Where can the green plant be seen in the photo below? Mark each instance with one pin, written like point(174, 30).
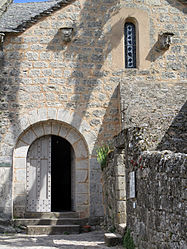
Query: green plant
point(102, 153)
point(128, 242)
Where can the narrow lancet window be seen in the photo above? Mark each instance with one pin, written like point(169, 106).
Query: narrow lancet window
point(130, 45)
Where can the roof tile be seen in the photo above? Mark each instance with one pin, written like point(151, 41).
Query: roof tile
point(21, 15)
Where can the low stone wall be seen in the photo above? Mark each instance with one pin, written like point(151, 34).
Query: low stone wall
point(156, 216)
point(130, 141)
point(153, 206)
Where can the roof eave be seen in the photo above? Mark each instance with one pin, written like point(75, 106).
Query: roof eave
point(28, 23)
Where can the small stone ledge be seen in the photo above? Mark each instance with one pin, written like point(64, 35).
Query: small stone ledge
point(6, 226)
point(112, 239)
point(121, 228)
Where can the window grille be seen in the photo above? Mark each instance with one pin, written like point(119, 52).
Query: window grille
point(130, 45)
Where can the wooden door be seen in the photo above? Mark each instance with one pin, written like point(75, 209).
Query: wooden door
point(39, 176)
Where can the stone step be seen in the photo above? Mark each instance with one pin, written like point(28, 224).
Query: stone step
point(4, 222)
point(113, 239)
point(53, 230)
point(52, 215)
point(60, 221)
point(6, 226)
point(7, 229)
point(122, 228)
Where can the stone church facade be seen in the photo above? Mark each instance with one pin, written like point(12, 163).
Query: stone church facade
point(79, 92)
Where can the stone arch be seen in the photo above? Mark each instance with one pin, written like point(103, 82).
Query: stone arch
point(81, 165)
point(60, 115)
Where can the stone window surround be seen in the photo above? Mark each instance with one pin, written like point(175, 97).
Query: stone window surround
point(48, 125)
point(142, 22)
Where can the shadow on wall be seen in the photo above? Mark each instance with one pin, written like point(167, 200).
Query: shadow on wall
point(87, 53)
point(155, 53)
point(96, 194)
point(175, 139)
point(9, 113)
point(9, 88)
point(179, 4)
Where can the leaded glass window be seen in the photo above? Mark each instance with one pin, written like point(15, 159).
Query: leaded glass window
point(130, 45)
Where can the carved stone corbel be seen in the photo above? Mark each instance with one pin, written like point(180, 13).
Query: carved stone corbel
point(165, 40)
point(66, 34)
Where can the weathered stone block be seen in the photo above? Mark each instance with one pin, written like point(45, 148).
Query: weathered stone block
point(112, 239)
point(52, 113)
point(120, 183)
point(81, 188)
point(55, 128)
point(42, 114)
point(32, 56)
point(21, 149)
point(120, 170)
point(82, 164)
point(65, 116)
point(81, 150)
point(81, 176)
point(28, 137)
point(20, 163)
point(47, 128)
point(39, 130)
point(73, 136)
point(19, 189)
point(19, 175)
point(64, 131)
point(82, 199)
point(121, 206)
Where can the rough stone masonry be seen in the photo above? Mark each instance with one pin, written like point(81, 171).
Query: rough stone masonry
point(84, 85)
point(154, 206)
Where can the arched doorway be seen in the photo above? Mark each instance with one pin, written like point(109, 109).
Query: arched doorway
point(41, 197)
point(50, 169)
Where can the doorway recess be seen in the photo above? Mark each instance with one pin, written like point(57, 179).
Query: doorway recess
point(60, 174)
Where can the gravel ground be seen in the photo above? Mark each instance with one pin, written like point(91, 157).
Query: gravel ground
point(90, 240)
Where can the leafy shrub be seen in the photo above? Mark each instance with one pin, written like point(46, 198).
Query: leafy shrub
point(102, 153)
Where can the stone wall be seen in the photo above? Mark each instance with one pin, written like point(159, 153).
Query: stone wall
point(155, 215)
point(40, 72)
point(129, 143)
point(155, 95)
point(161, 108)
point(114, 190)
point(5, 191)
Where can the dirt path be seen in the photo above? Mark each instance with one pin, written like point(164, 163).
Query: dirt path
point(79, 241)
